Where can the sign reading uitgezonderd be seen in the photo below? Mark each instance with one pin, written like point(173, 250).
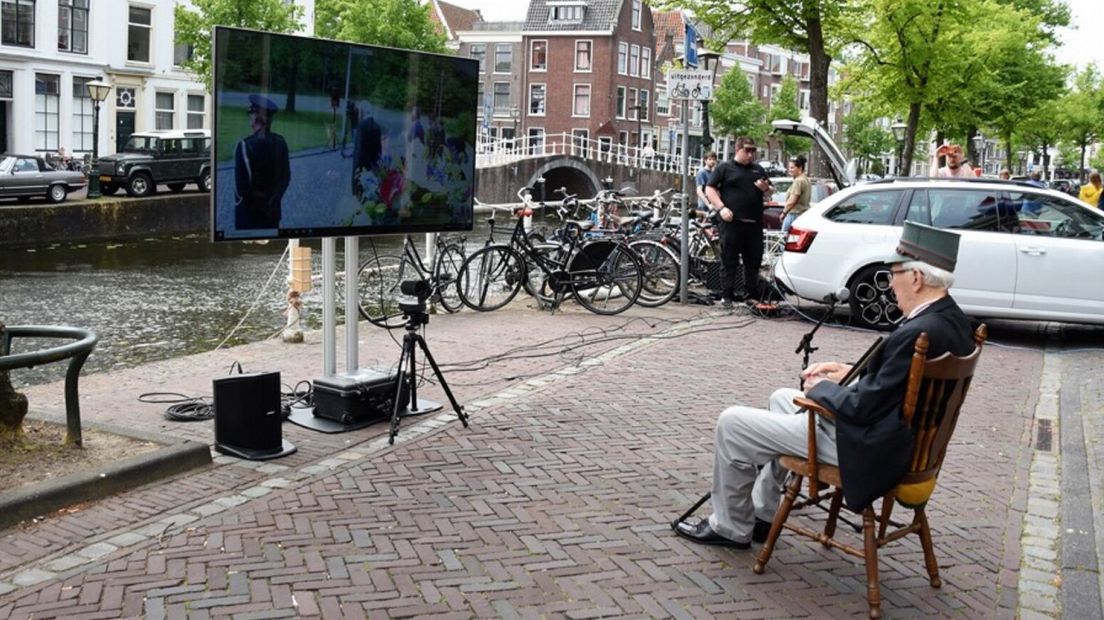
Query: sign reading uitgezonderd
point(695, 84)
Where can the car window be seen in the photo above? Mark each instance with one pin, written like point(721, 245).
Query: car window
point(1047, 216)
point(966, 210)
point(918, 209)
point(7, 166)
point(875, 207)
point(26, 165)
point(170, 147)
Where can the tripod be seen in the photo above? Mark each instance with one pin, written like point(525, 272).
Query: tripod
point(408, 377)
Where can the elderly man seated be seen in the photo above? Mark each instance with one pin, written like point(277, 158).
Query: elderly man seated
point(869, 439)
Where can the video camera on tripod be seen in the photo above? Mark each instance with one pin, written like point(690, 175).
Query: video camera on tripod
point(413, 302)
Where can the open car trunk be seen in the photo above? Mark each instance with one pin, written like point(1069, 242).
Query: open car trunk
point(843, 171)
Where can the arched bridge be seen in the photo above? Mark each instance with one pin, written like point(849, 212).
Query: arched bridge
point(503, 167)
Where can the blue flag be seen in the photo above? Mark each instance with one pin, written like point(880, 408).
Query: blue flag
point(691, 52)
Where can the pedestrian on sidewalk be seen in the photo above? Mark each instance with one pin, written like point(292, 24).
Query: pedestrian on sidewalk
point(737, 189)
point(869, 439)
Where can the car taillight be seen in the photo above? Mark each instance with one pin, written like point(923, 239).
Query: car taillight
point(799, 240)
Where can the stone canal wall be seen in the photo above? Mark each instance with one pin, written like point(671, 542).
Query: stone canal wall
point(104, 219)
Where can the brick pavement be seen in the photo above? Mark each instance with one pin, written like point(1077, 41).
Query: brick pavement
point(556, 502)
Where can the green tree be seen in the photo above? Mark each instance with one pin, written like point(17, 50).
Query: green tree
point(1039, 132)
point(819, 28)
point(1079, 116)
point(784, 106)
point(393, 23)
point(864, 139)
point(735, 109)
point(193, 27)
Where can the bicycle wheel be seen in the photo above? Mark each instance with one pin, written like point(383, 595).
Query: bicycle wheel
point(605, 277)
point(378, 287)
point(536, 280)
point(661, 272)
point(448, 274)
point(490, 278)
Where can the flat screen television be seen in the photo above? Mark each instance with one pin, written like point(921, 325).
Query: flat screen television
point(317, 138)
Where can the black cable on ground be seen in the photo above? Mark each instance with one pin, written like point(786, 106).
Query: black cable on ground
point(182, 408)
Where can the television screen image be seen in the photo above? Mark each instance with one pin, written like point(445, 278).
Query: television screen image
point(317, 138)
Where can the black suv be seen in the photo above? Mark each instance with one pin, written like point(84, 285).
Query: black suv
point(174, 158)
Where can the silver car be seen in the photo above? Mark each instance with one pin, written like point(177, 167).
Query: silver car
point(26, 176)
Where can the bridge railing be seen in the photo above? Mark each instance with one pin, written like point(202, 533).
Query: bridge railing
point(511, 150)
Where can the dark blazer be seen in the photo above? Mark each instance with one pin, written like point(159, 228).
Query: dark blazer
point(873, 442)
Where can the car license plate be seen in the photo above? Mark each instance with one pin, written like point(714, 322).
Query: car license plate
point(104, 179)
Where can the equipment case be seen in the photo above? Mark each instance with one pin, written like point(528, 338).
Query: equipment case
point(367, 395)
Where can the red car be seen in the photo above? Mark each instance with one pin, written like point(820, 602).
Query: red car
point(772, 212)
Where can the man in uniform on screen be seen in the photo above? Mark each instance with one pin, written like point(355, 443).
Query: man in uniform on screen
point(261, 170)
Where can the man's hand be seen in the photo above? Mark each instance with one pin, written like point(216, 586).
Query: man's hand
point(726, 214)
point(763, 184)
point(824, 371)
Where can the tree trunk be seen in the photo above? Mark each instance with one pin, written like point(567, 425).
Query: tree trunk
point(1081, 163)
point(819, 61)
point(13, 406)
point(910, 139)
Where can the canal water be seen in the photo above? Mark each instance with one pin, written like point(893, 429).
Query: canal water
point(160, 298)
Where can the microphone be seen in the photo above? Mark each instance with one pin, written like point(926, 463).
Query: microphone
point(838, 297)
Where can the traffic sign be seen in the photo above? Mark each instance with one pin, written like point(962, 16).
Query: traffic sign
point(693, 84)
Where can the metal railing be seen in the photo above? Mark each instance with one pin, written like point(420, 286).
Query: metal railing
point(77, 352)
point(490, 153)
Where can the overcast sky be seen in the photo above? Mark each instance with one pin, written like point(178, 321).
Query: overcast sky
point(1080, 46)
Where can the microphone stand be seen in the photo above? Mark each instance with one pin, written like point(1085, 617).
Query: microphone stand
point(806, 344)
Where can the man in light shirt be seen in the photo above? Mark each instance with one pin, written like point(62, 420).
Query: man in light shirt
point(956, 168)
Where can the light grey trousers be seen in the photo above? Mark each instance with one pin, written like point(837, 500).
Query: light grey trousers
point(748, 438)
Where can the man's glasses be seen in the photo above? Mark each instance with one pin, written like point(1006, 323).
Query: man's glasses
point(749, 149)
point(897, 272)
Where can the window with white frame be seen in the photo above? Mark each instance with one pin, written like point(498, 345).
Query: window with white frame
point(583, 56)
point(621, 101)
point(778, 64)
point(73, 26)
point(538, 56)
point(182, 53)
point(581, 104)
point(803, 100)
point(622, 138)
point(478, 51)
point(645, 114)
point(775, 89)
point(662, 101)
point(636, 11)
point(766, 93)
point(580, 138)
point(537, 95)
point(501, 97)
point(566, 12)
point(82, 116)
point(605, 144)
point(138, 34)
point(504, 58)
point(47, 103)
point(646, 62)
point(634, 60)
point(623, 58)
point(195, 111)
point(18, 27)
point(536, 140)
point(632, 104)
point(164, 107)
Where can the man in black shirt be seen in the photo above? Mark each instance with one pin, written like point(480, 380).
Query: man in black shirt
point(737, 188)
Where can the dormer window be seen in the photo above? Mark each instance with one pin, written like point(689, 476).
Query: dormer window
point(566, 11)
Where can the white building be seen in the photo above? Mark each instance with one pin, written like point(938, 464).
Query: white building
point(49, 50)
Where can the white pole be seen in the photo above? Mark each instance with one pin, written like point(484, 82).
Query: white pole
point(352, 310)
point(684, 239)
point(329, 312)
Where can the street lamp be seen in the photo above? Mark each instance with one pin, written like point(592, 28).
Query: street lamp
point(979, 147)
point(899, 129)
point(97, 91)
point(515, 114)
point(710, 61)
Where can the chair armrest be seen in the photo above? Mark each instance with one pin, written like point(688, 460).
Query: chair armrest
point(807, 403)
point(814, 408)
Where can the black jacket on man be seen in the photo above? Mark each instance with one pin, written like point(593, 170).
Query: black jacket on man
point(735, 182)
point(873, 443)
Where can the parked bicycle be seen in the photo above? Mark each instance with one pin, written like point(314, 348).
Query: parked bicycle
point(380, 277)
point(603, 275)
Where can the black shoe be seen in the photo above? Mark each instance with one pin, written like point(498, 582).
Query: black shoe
point(727, 304)
point(702, 533)
point(761, 530)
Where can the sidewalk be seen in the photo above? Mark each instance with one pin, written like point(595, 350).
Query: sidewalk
point(556, 502)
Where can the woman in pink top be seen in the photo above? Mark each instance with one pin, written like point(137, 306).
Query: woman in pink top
point(955, 168)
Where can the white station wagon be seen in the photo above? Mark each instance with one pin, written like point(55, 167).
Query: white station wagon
point(1024, 253)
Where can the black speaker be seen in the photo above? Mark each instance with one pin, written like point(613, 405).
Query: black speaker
point(247, 416)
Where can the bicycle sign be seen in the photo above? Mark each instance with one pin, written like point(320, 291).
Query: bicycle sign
point(695, 84)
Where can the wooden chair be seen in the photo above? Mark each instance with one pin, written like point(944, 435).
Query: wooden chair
point(932, 401)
